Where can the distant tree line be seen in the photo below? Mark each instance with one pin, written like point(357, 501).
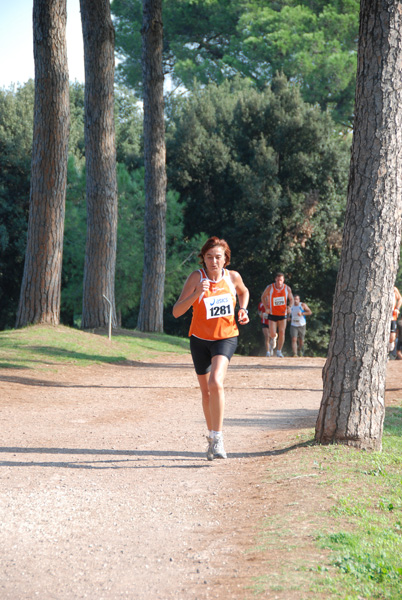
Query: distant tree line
point(313, 42)
point(257, 152)
point(261, 168)
point(267, 172)
point(16, 130)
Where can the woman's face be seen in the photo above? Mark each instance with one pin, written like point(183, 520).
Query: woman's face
point(214, 260)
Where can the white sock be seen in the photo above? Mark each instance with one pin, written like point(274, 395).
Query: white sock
point(216, 434)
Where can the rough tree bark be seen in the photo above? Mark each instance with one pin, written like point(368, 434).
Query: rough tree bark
point(352, 407)
point(150, 317)
point(41, 284)
point(100, 154)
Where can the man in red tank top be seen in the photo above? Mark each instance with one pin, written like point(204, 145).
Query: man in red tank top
point(265, 328)
point(277, 299)
point(394, 320)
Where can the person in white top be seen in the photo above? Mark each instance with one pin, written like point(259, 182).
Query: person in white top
point(297, 315)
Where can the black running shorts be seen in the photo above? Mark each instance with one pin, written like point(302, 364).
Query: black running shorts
point(276, 317)
point(202, 351)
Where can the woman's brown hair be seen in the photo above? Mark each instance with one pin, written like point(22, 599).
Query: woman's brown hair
point(211, 243)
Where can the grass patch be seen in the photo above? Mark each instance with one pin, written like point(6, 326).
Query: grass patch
point(345, 522)
point(44, 346)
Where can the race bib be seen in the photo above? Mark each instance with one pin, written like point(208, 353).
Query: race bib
point(297, 320)
point(279, 301)
point(219, 306)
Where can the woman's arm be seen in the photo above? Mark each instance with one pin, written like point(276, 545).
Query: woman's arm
point(192, 289)
point(242, 294)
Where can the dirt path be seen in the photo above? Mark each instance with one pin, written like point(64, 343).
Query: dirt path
point(105, 489)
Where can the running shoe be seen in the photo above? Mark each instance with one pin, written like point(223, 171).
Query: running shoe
point(219, 450)
point(268, 354)
point(279, 354)
point(210, 449)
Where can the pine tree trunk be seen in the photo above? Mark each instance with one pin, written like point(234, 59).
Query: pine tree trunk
point(41, 283)
point(150, 317)
point(100, 154)
point(352, 407)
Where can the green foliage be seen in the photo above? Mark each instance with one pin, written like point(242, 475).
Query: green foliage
point(128, 124)
point(181, 252)
point(267, 172)
point(312, 43)
point(76, 140)
point(197, 35)
point(74, 244)
point(16, 119)
point(129, 142)
point(129, 261)
point(16, 127)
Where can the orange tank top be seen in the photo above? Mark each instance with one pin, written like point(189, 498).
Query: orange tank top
point(214, 310)
point(395, 311)
point(277, 299)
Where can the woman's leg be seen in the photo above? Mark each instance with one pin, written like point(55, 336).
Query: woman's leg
point(217, 376)
point(203, 382)
point(213, 394)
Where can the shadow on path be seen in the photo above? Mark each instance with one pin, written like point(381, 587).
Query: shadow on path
point(132, 457)
point(57, 384)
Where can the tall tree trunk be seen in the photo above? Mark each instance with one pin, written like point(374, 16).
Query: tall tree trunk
point(352, 407)
point(150, 317)
point(41, 283)
point(100, 154)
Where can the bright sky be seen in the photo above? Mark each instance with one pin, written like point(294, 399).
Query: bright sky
point(16, 42)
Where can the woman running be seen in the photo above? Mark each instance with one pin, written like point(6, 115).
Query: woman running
point(211, 291)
